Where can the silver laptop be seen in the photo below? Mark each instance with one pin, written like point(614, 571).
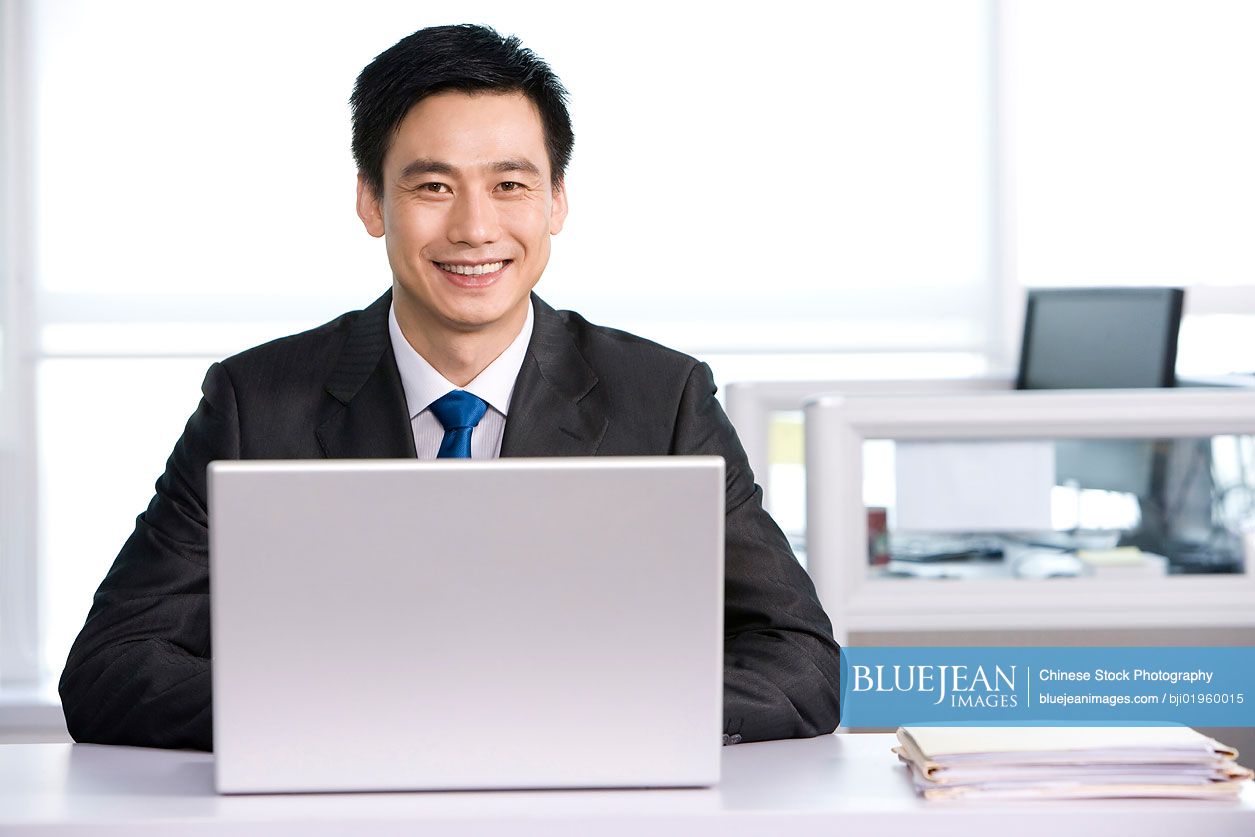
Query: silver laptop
point(513, 623)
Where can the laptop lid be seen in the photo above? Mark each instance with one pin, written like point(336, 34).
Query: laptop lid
point(510, 623)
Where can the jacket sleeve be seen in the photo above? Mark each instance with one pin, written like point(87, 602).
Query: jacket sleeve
point(781, 669)
point(139, 671)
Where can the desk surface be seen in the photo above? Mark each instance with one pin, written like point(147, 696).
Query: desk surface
point(843, 784)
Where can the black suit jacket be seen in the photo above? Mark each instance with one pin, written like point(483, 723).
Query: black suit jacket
point(139, 671)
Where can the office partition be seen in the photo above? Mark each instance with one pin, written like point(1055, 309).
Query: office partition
point(861, 596)
point(761, 409)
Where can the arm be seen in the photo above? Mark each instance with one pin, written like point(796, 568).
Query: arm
point(781, 666)
point(138, 672)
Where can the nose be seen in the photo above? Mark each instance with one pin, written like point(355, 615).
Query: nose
point(473, 220)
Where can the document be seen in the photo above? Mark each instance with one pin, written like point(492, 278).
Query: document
point(974, 486)
point(1069, 763)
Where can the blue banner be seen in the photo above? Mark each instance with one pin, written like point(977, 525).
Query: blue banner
point(891, 687)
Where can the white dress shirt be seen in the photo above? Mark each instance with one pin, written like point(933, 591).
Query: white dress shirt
point(423, 385)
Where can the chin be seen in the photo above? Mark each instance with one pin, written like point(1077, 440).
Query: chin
point(461, 309)
point(473, 315)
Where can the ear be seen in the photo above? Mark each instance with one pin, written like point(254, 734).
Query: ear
point(557, 210)
point(368, 207)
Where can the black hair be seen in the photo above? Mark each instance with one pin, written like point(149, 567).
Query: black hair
point(466, 58)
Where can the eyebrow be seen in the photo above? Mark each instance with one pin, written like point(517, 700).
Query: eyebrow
point(426, 165)
point(516, 164)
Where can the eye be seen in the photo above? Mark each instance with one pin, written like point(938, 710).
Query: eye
point(510, 186)
point(434, 188)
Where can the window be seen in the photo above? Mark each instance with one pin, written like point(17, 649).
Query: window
point(760, 192)
point(1133, 128)
point(838, 190)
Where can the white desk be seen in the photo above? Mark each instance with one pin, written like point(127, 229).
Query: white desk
point(846, 784)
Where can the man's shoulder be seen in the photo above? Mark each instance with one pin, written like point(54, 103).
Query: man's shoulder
point(605, 347)
point(314, 350)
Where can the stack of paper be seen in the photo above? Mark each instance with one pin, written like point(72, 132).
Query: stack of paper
point(1069, 762)
point(1123, 562)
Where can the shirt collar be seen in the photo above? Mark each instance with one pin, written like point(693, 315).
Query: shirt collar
point(423, 384)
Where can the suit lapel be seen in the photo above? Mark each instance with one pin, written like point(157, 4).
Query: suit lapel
point(369, 418)
point(550, 411)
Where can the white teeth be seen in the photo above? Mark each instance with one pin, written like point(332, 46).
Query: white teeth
point(472, 270)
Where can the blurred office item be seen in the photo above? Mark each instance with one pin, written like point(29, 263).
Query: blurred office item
point(1126, 338)
point(1123, 465)
point(1100, 338)
point(974, 486)
point(1122, 562)
point(877, 535)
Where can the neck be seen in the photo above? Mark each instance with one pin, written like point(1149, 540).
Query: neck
point(457, 354)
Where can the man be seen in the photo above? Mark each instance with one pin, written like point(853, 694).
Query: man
point(462, 139)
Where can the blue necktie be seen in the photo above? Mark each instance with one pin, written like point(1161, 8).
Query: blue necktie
point(458, 412)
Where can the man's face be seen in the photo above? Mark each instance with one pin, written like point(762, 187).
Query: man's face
point(466, 211)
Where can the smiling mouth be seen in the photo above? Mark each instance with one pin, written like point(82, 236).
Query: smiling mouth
point(473, 269)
